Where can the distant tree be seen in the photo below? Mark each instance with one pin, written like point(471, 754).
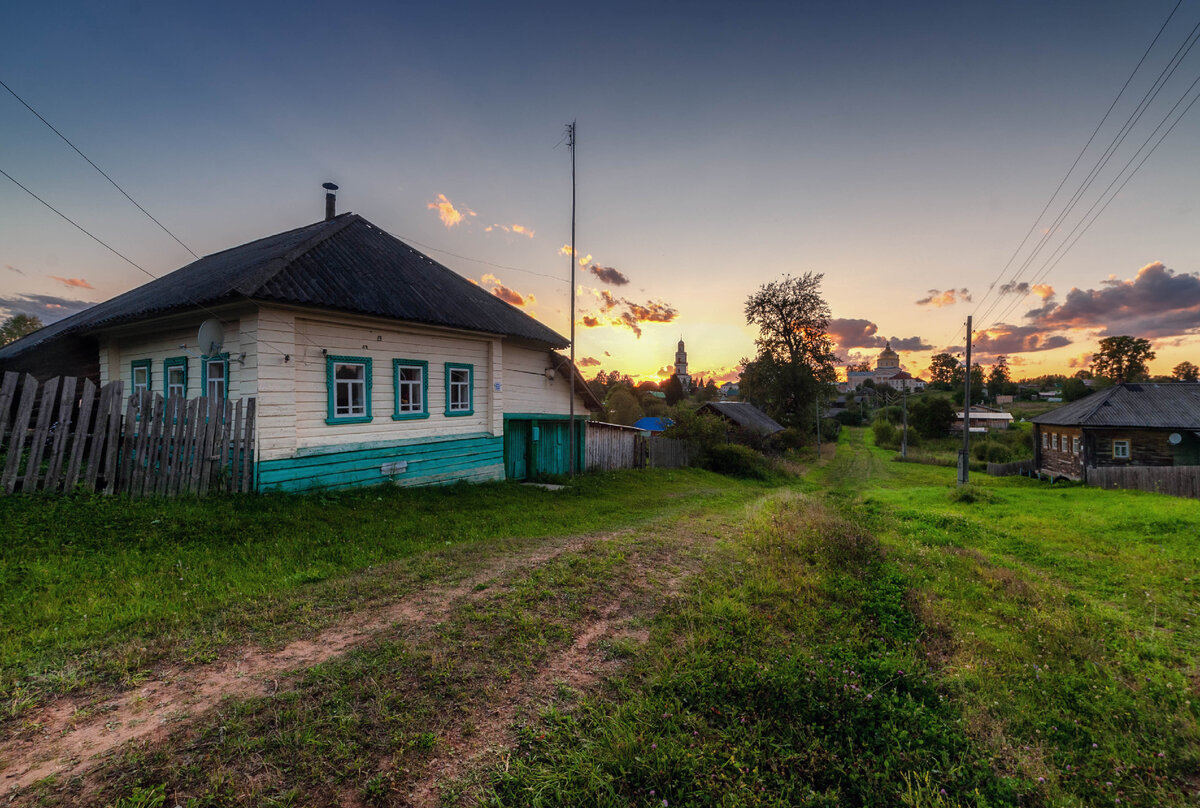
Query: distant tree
point(18, 326)
point(1185, 372)
point(1083, 374)
point(794, 366)
point(942, 370)
point(1074, 389)
point(858, 367)
point(674, 390)
point(931, 416)
point(999, 380)
point(1122, 359)
point(708, 392)
point(622, 407)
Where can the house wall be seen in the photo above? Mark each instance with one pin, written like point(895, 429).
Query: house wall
point(1147, 447)
point(305, 450)
point(1062, 461)
point(158, 341)
point(526, 388)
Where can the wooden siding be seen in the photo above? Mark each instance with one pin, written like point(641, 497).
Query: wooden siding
point(526, 388)
point(350, 336)
point(157, 342)
point(1060, 462)
point(275, 352)
point(1177, 481)
point(612, 446)
point(473, 457)
point(1147, 447)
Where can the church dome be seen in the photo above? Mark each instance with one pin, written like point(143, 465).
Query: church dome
point(887, 357)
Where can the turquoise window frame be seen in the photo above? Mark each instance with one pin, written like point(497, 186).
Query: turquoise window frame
point(204, 360)
point(397, 415)
point(148, 366)
point(331, 389)
point(470, 410)
point(175, 362)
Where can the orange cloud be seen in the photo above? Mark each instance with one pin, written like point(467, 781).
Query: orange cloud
point(78, 283)
point(510, 296)
point(589, 321)
point(949, 297)
point(520, 230)
point(446, 211)
point(588, 362)
point(1043, 290)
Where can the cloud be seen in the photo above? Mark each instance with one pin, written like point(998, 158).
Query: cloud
point(1156, 303)
point(1081, 361)
point(446, 211)
point(910, 344)
point(589, 362)
point(506, 294)
point(1043, 290)
point(590, 321)
point(78, 283)
point(520, 230)
point(12, 268)
point(949, 297)
point(564, 249)
point(47, 308)
point(610, 275)
point(1009, 339)
point(607, 301)
point(722, 375)
point(848, 332)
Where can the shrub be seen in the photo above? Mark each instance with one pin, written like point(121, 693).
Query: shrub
point(886, 435)
point(737, 461)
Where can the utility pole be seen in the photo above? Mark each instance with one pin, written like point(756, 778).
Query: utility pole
point(818, 405)
point(964, 455)
point(571, 146)
point(904, 436)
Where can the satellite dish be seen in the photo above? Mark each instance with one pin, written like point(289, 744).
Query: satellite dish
point(1174, 438)
point(210, 337)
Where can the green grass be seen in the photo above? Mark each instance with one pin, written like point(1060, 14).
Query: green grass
point(1061, 618)
point(95, 590)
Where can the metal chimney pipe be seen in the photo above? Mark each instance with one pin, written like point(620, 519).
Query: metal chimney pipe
point(330, 200)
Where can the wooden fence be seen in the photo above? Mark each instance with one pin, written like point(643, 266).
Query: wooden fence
point(612, 446)
point(667, 453)
point(1025, 467)
point(1178, 481)
point(65, 433)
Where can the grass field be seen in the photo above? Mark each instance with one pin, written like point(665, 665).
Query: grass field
point(870, 634)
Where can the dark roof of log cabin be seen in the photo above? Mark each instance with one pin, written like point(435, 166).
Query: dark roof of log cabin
point(744, 414)
point(1171, 405)
point(345, 264)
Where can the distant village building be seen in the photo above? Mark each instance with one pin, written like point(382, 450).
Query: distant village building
point(887, 371)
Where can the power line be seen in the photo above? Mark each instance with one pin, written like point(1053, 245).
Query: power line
point(98, 168)
point(1078, 157)
point(477, 260)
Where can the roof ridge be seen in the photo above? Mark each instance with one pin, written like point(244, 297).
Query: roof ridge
point(1105, 395)
point(276, 265)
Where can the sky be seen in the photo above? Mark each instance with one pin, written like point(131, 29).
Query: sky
point(902, 150)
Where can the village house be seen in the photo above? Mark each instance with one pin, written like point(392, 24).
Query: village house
point(370, 362)
point(887, 372)
point(983, 419)
point(742, 414)
point(1124, 425)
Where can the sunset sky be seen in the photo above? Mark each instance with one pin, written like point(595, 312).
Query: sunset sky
point(902, 149)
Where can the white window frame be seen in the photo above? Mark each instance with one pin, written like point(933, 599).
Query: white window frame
point(140, 367)
point(1122, 449)
point(1075, 445)
point(412, 395)
point(221, 383)
point(172, 367)
point(348, 413)
point(459, 395)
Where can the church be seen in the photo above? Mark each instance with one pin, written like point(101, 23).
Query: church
point(887, 371)
point(681, 371)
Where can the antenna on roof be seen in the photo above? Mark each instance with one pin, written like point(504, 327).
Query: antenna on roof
point(330, 200)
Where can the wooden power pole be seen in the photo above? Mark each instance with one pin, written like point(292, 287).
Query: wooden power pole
point(964, 455)
point(571, 146)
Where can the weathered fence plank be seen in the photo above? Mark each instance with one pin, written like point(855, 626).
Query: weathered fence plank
point(16, 444)
point(83, 427)
point(62, 430)
point(668, 453)
point(1011, 469)
point(8, 391)
point(235, 446)
point(94, 459)
point(248, 448)
point(37, 448)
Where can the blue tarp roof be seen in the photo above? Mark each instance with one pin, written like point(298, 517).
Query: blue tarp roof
point(653, 424)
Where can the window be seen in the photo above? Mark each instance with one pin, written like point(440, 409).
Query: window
point(409, 381)
point(348, 381)
point(175, 376)
point(141, 375)
point(1120, 450)
point(1045, 440)
point(1054, 441)
point(214, 376)
point(1075, 445)
point(458, 389)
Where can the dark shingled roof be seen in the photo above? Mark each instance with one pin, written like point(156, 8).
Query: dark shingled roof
point(745, 415)
point(345, 263)
point(1174, 405)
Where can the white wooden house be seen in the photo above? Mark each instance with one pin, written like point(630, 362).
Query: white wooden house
point(370, 361)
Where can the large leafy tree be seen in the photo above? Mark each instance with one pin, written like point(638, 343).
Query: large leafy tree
point(1185, 372)
point(18, 326)
point(1122, 359)
point(943, 368)
point(999, 381)
point(795, 361)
